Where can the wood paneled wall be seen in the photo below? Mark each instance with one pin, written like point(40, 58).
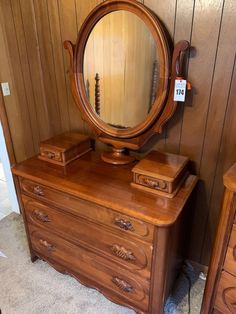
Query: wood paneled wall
point(34, 62)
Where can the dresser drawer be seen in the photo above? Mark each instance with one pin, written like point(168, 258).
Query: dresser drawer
point(226, 294)
point(103, 275)
point(89, 210)
point(230, 260)
point(131, 254)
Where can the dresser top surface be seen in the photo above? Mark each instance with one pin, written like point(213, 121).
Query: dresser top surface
point(91, 179)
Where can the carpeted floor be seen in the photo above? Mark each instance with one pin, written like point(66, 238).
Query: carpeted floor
point(27, 288)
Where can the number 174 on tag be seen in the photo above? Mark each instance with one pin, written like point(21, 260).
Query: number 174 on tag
point(180, 90)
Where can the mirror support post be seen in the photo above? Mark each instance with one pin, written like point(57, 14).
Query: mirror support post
point(176, 70)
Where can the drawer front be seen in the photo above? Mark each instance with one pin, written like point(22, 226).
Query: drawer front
point(89, 210)
point(124, 251)
point(50, 154)
point(153, 183)
point(230, 260)
point(120, 283)
point(226, 294)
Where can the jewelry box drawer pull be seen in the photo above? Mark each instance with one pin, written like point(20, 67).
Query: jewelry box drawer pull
point(151, 183)
point(122, 284)
point(124, 224)
point(47, 245)
point(38, 190)
point(122, 252)
point(155, 184)
point(49, 155)
point(41, 216)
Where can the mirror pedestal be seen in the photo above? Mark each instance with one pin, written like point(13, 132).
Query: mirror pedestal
point(117, 157)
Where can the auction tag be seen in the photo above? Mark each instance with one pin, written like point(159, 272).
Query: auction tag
point(180, 90)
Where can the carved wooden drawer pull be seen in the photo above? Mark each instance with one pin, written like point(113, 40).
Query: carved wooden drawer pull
point(151, 183)
point(122, 285)
point(41, 216)
point(38, 190)
point(155, 184)
point(229, 298)
point(122, 252)
point(124, 224)
point(47, 245)
point(49, 155)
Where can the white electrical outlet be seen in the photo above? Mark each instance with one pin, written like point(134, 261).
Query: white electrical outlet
point(5, 89)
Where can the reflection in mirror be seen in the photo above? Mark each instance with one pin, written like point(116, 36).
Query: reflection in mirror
point(121, 69)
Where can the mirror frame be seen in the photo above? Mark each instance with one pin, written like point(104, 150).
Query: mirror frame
point(163, 107)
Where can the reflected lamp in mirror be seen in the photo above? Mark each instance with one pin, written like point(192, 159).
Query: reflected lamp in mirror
point(122, 73)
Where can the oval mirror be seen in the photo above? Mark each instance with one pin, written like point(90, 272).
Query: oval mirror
point(121, 69)
point(123, 74)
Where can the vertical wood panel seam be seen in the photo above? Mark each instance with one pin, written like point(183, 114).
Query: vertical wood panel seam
point(63, 58)
point(218, 155)
point(76, 17)
point(40, 67)
point(211, 88)
point(204, 134)
point(54, 66)
point(30, 72)
point(21, 70)
point(188, 60)
point(176, 4)
point(165, 133)
point(36, 113)
point(173, 37)
point(77, 27)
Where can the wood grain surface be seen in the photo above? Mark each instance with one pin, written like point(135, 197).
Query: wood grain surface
point(90, 172)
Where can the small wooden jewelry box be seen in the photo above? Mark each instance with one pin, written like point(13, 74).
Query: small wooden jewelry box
point(160, 173)
point(64, 148)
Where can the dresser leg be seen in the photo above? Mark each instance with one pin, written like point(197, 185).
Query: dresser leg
point(33, 258)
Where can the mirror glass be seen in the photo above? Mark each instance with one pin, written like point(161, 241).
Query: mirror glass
point(121, 69)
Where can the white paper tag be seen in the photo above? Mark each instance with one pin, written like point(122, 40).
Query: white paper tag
point(180, 90)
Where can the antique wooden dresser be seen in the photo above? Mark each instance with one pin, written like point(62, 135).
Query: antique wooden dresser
point(86, 220)
point(220, 292)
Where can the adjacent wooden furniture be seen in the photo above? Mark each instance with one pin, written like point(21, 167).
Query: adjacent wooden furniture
point(220, 292)
point(86, 220)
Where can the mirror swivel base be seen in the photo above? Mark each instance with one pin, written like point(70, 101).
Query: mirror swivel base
point(117, 157)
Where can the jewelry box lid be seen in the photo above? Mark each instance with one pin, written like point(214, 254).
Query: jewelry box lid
point(65, 141)
point(160, 165)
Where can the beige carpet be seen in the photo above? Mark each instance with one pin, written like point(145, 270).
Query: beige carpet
point(36, 288)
